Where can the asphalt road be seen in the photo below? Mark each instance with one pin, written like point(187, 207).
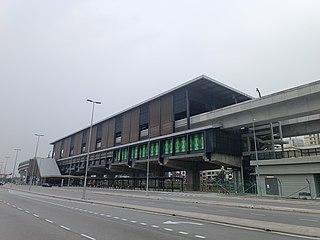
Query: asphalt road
point(30, 216)
point(299, 219)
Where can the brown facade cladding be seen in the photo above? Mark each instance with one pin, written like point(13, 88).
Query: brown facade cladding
point(105, 131)
point(134, 126)
point(125, 135)
point(57, 149)
point(66, 147)
point(112, 125)
point(166, 114)
point(87, 139)
point(93, 138)
point(77, 143)
point(154, 118)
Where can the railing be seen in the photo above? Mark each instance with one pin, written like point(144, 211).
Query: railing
point(287, 154)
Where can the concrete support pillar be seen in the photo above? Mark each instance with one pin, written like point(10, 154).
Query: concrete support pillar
point(159, 183)
point(193, 180)
point(135, 182)
point(272, 136)
point(110, 177)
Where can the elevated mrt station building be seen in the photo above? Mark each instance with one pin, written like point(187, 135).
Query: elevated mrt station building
point(203, 125)
point(160, 130)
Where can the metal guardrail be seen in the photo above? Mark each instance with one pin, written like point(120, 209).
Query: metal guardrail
point(287, 154)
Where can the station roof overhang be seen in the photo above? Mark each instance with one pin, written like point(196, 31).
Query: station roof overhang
point(202, 84)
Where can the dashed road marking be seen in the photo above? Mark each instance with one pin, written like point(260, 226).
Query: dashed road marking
point(124, 219)
point(308, 220)
point(64, 227)
point(86, 236)
point(257, 214)
point(199, 236)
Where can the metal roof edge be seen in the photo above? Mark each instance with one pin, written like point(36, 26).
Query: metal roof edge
point(158, 96)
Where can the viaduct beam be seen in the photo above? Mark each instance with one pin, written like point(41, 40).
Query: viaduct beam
point(292, 103)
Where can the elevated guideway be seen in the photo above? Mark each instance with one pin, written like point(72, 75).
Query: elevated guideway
point(292, 106)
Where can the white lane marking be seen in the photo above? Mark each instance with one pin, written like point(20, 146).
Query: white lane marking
point(221, 210)
point(133, 221)
point(85, 210)
point(27, 211)
point(184, 233)
point(80, 209)
point(124, 219)
point(144, 224)
point(257, 214)
point(36, 215)
point(20, 208)
point(86, 236)
point(96, 213)
point(174, 223)
point(101, 214)
point(49, 221)
point(308, 220)
point(116, 217)
point(8, 204)
point(90, 212)
point(154, 226)
point(199, 236)
point(14, 206)
point(64, 227)
point(168, 229)
point(108, 216)
point(192, 207)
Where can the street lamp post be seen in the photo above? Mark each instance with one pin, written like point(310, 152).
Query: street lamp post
point(148, 168)
point(5, 168)
point(35, 160)
point(88, 151)
point(14, 166)
point(69, 176)
point(257, 159)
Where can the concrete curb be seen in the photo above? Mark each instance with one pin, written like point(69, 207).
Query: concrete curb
point(255, 224)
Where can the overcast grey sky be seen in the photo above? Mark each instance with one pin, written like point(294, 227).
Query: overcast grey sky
point(56, 54)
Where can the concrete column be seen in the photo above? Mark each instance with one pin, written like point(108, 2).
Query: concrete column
point(272, 136)
point(110, 182)
point(193, 180)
